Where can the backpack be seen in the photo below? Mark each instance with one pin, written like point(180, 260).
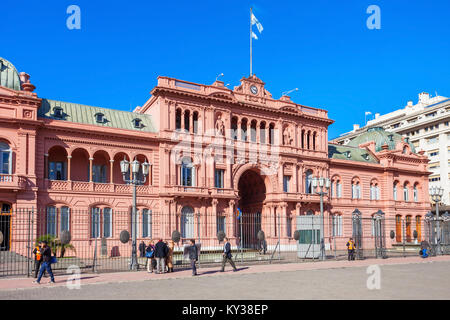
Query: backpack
point(149, 254)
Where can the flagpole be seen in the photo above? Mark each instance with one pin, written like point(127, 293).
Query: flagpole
point(251, 41)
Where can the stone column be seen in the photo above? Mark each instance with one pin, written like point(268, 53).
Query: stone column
point(90, 168)
point(191, 122)
point(69, 170)
point(111, 171)
point(46, 166)
point(294, 177)
point(182, 120)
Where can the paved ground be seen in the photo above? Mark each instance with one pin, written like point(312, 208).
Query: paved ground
point(401, 278)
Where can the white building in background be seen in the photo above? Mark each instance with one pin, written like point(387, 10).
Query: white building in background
point(427, 126)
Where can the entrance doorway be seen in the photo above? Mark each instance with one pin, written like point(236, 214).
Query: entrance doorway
point(252, 193)
point(5, 226)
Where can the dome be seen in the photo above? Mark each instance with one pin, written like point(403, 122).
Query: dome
point(9, 77)
point(380, 137)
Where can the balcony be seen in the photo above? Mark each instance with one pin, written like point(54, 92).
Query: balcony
point(12, 182)
point(82, 186)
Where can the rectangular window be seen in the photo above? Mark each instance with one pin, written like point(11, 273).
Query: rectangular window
point(219, 174)
point(95, 223)
point(338, 190)
point(56, 171)
point(65, 219)
point(99, 173)
point(5, 162)
point(337, 225)
point(51, 221)
point(286, 181)
point(289, 227)
point(187, 175)
point(433, 140)
point(146, 223)
point(309, 237)
point(221, 223)
point(107, 222)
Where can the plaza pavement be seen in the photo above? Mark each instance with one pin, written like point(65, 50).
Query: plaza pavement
point(11, 285)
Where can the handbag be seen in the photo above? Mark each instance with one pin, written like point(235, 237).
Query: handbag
point(53, 260)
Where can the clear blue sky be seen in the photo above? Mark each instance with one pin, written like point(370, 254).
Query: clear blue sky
point(322, 47)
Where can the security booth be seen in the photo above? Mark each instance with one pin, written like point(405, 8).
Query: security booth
point(308, 245)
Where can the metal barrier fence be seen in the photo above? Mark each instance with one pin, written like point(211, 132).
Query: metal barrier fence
point(95, 243)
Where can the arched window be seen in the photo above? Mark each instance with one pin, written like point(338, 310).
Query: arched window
point(195, 120)
point(338, 189)
point(303, 139)
point(244, 130)
point(5, 158)
point(187, 172)
point(374, 191)
point(262, 132)
point(146, 219)
point(187, 120)
point(308, 138)
point(308, 181)
point(178, 120)
point(271, 133)
point(405, 192)
point(356, 189)
point(253, 131)
point(415, 193)
point(187, 222)
point(234, 128)
point(395, 190)
point(314, 135)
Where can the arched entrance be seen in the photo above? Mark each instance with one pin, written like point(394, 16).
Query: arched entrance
point(252, 193)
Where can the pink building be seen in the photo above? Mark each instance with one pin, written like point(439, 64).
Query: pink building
point(212, 149)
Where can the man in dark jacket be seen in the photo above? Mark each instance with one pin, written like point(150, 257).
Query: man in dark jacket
point(142, 249)
point(227, 256)
point(46, 265)
point(193, 256)
point(161, 251)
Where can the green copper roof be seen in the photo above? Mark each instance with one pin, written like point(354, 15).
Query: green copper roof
point(9, 77)
point(381, 137)
point(79, 113)
point(349, 153)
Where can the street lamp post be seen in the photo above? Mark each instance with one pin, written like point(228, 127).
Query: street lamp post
point(323, 183)
point(134, 180)
point(436, 194)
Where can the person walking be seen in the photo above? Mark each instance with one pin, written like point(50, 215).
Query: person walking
point(169, 259)
point(37, 259)
point(161, 251)
point(351, 249)
point(193, 256)
point(46, 263)
point(227, 256)
point(150, 254)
